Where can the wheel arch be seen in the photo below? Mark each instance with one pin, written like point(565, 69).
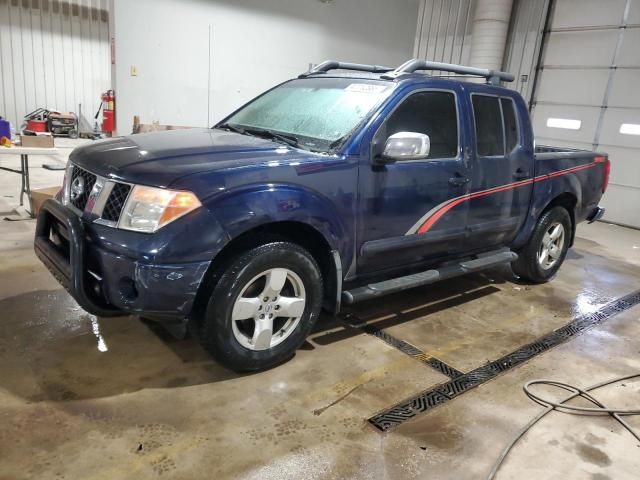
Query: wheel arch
point(301, 234)
point(568, 201)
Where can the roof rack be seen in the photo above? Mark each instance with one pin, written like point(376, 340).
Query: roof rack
point(333, 65)
point(493, 76)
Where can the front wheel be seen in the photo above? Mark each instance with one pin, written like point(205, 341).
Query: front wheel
point(541, 258)
point(262, 307)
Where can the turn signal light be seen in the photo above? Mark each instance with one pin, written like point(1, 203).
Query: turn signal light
point(180, 204)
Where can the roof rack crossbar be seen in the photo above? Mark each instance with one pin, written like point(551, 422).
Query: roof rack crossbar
point(492, 76)
point(334, 65)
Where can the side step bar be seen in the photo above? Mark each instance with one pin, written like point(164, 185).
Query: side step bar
point(386, 287)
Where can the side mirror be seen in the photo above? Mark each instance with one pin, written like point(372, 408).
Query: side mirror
point(406, 146)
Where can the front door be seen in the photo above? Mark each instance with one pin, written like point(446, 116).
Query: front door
point(408, 211)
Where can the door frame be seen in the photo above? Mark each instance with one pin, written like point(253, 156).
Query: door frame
point(411, 239)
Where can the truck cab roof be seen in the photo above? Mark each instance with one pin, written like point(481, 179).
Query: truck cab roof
point(405, 79)
point(407, 71)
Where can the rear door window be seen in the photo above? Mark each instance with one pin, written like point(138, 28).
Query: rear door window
point(489, 131)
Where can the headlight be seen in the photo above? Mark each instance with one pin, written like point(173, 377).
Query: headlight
point(148, 209)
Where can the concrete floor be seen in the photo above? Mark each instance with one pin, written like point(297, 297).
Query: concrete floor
point(84, 397)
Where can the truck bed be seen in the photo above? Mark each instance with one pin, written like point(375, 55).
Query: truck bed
point(544, 152)
point(578, 176)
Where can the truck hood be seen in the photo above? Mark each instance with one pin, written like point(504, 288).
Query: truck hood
point(160, 158)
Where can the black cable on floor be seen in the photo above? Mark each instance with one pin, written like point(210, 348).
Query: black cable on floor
point(561, 406)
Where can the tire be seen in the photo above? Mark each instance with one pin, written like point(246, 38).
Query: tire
point(552, 233)
point(271, 279)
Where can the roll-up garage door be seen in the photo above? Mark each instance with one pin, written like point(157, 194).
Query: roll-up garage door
point(588, 93)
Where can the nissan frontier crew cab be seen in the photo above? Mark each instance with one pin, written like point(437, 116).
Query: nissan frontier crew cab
point(345, 184)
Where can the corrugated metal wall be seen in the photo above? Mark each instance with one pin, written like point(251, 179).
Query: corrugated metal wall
point(444, 31)
point(53, 54)
point(524, 43)
point(445, 34)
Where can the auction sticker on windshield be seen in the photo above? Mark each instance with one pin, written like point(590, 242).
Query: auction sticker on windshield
point(365, 88)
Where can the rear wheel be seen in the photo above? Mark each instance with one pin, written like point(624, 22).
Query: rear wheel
point(541, 258)
point(262, 307)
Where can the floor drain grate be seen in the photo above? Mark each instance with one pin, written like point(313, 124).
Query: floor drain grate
point(439, 394)
point(404, 347)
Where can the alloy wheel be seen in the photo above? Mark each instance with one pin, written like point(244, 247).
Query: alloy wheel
point(268, 309)
point(551, 246)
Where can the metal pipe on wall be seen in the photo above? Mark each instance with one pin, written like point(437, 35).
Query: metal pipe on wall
point(490, 29)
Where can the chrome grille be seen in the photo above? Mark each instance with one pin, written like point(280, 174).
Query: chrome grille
point(84, 181)
point(115, 203)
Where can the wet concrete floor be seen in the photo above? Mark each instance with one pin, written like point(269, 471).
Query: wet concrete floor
point(91, 398)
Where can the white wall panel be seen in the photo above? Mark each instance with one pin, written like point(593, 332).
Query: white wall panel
point(53, 54)
point(587, 115)
point(625, 91)
point(560, 86)
point(187, 78)
point(610, 135)
point(621, 204)
point(629, 54)
point(592, 58)
point(634, 14)
point(582, 48)
point(580, 13)
point(625, 165)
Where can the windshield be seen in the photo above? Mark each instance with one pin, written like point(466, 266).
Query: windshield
point(317, 113)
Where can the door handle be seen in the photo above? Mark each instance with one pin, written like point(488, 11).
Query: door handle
point(520, 174)
point(458, 180)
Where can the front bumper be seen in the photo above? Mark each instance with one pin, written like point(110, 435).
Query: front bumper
point(106, 283)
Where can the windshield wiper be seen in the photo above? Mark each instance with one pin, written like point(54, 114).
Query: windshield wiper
point(337, 143)
point(259, 132)
point(288, 139)
point(231, 128)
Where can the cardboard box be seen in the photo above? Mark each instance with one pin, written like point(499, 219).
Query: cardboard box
point(39, 196)
point(36, 141)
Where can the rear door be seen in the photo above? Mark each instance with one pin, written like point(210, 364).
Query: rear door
point(501, 172)
point(401, 220)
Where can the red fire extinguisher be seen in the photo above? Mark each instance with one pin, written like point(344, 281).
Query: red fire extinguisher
point(108, 111)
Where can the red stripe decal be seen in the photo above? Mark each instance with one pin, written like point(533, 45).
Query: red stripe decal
point(426, 226)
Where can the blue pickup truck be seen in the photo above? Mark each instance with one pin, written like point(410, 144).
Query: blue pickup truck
point(342, 185)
